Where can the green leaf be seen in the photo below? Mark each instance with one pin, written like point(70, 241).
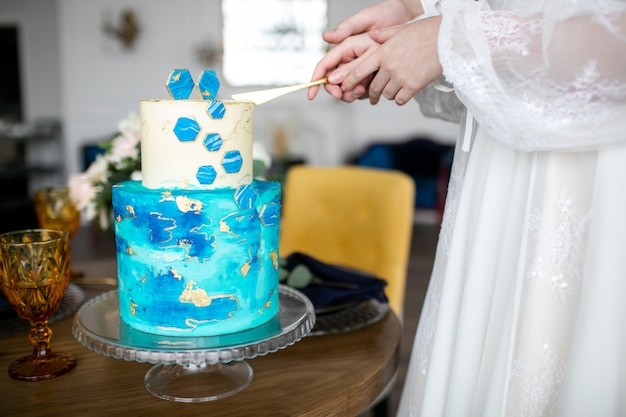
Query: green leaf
point(300, 277)
point(282, 275)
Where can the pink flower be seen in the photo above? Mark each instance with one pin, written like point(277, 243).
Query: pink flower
point(125, 146)
point(82, 193)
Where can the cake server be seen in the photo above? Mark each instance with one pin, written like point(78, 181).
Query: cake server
point(262, 96)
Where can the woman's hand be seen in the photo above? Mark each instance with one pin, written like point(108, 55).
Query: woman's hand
point(384, 14)
point(378, 16)
point(339, 61)
point(404, 63)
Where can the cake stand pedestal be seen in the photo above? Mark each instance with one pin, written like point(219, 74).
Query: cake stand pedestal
point(192, 369)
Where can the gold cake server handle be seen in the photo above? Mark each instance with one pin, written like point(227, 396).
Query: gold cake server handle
point(262, 96)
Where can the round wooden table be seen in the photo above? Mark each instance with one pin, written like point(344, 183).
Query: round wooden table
point(330, 375)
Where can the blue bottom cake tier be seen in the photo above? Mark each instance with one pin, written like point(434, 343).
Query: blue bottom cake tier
point(197, 262)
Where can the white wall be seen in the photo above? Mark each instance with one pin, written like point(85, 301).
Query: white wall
point(91, 82)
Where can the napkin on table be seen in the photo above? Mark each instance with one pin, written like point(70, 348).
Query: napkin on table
point(334, 284)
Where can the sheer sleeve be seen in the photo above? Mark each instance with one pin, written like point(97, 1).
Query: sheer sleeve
point(550, 78)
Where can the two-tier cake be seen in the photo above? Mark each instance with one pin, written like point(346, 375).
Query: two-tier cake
point(197, 238)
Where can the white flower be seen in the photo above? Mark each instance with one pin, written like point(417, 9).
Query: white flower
point(130, 124)
point(98, 170)
point(261, 154)
point(103, 219)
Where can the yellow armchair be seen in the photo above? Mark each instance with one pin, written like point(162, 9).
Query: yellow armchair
point(352, 216)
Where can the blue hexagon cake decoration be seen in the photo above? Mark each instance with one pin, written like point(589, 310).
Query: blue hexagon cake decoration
point(269, 214)
point(216, 109)
point(245, 196)
point(186, 129)
point(206, 174)
point(213, 142)
point(208, 84)
point(180, 84)
point(232, 161)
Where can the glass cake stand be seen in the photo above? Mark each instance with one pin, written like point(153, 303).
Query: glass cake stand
point(192, 369)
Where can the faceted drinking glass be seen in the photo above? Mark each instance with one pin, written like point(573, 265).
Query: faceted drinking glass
point(55, 210)
point(34, 274)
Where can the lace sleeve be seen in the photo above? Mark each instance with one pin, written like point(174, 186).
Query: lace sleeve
point(539, 79)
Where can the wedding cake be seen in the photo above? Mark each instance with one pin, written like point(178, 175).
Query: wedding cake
point(197, 237)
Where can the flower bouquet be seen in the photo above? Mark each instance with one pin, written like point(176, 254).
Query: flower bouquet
point(121, 160)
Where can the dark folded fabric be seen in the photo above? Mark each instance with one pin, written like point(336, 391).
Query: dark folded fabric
point(336, 285)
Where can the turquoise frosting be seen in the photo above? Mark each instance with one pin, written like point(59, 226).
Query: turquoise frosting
point(193, 262)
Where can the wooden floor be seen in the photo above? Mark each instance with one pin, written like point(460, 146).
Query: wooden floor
point(420, 265)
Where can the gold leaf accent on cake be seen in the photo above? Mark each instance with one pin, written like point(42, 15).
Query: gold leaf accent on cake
point(131, 214)
point(129, 250)
point(195, 296)
point(224, 227)
point(186, 204)
point(167, 196)
point(245, 269)
point(176, 274)
point(267, 304)
point(133, 308)
point(274, 258)
point(198, 296)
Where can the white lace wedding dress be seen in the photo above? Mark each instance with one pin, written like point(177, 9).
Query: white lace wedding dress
point(525, 313)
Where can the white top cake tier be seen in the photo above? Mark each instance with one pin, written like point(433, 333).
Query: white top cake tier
point(196, 143)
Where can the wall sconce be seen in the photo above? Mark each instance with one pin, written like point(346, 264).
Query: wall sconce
point(209, 54)
point(126, 30)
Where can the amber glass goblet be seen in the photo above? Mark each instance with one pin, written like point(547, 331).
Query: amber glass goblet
point(34, 274)
point(55, 210)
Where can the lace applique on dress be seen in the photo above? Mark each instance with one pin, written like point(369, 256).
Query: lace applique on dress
point(584, 100)
point(507, 32)
point(559, 241)
point(539, 382)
